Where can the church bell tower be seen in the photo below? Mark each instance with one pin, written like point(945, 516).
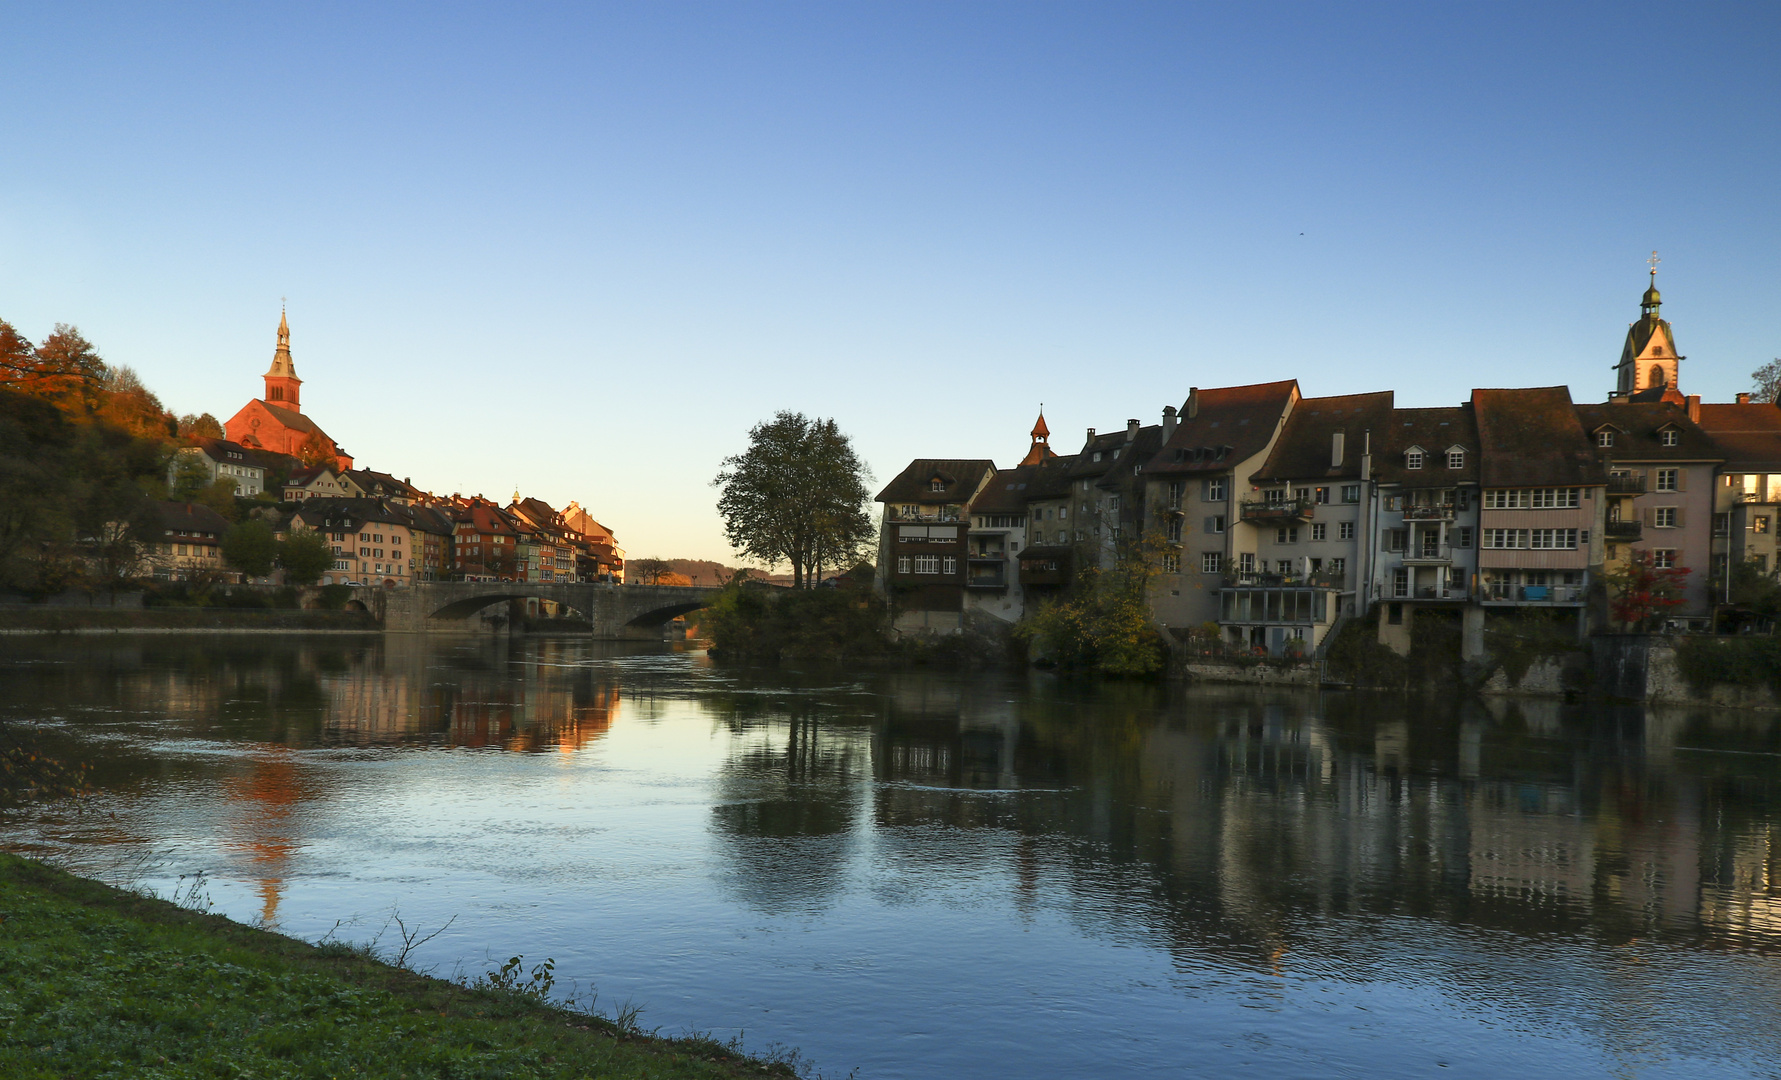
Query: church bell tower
point(1648, 362)
point(283, 388)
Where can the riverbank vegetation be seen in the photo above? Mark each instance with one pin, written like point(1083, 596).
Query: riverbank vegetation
point(99, 982)
point(797, 495)
point(756, 622)
point(1752, 661)
point(1102, 624)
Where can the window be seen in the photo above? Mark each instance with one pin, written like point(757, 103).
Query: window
point(1171, 563)
point(1456, 459)
point(1215, 523)
point(1319, 531)
point(951, 565)
point(1286, 536)
point(1283, 566)
point(1396, 539)
point(927, 564)
point(1213, 491)
point(1759, 523)
point(1302, 494)
point(1666, 480)
point(1551, 539)
point(1667, 438)
point(1462, 537)
point(1209, 562)
point(1063, 511)
point(1174, 530)
point(1664, 517)
point(939, 485)
point(1505, 538)
point(1663, 558)
point(1246, 562)
point(1351, 493)
point(1320, 495)
point(1722, 524)
point(1273, 495)
point(1762, 563)
point(1338, 567)
point(1536, 498)
point(1604, 438)
point(1400, 586)
point(1392, 502)
point(1345, 530)
point(1413, 459)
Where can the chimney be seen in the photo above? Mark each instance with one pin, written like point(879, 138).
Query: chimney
point(1336, 448)
point(1193, 402)
point(1694, 407)
point(1366, 454)
point(1743, 399)
point(1168, 421)
point(1091, 434)
point(1131, 430)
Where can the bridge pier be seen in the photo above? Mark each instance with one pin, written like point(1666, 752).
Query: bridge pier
point(614, 612)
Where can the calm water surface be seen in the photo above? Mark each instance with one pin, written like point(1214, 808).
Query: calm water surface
point(945, 875)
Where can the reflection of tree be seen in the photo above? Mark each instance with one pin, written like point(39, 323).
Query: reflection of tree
point(786, 807)
point(266, 796)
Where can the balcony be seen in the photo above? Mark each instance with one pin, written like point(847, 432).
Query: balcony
point(1631, 484)
point(1441, 512)
point(1532, 594)
point(987, 556)
point(1256, 580)
point(947, 514)
point(1431, 592)
point(997, 580)
point(1428, 555)
point(1278, 511)
point(1623, 530)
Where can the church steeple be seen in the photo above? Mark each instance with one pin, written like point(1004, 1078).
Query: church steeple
point(282, 385)
point(1649, 365)
point(1041, 448)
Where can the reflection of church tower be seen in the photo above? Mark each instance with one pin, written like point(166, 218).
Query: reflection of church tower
point(1041, 448)
point(282, 384)
point(1649, 366)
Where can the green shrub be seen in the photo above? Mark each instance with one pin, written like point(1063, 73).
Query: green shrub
point(1736, 661)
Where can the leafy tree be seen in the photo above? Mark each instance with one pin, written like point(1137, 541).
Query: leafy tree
point(1767, 380)
point(797, 495)
point(202, 426)
point(123, 402)
point(1641, 593)
point(68, 370)
point(305, 555)
point(250, 547)
point(317, 450)
point(1103, 624)
point(650, 571)
point(190, 476)
point(1755, 589)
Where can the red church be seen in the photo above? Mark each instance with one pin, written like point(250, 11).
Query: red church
point(276, 422)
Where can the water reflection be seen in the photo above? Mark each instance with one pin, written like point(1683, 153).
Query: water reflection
point(1580, 866)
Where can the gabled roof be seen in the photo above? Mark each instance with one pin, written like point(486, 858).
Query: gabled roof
point(1303, 451)
point(1435, 431)
point(191, 518)
point(1747, 436)
point(1532, 437)
point(224, 452)
point(377, 483)
point(1006, 492)
point(1636, 426)
point(960, 479)
point(1226, 425)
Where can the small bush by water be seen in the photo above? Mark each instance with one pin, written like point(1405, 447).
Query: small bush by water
point(1733, 661)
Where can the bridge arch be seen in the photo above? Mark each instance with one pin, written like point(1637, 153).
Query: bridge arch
point(660, 615)
point(468, 606)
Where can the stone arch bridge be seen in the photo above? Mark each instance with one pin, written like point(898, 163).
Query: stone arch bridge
point(612, 611)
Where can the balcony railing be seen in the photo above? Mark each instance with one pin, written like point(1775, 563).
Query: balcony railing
point(1428, 554)
point(987, 556)
point(1627, 485)
point(1320, 580)
point(1441, 512)
point(1534, 594)
point(1623, 530)
point(1278, 510)
point(987, 581)
point(1431, 592)
point(948, 514)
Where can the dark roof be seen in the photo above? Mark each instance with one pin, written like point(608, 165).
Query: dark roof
point(1303, 451)
point(1044, 551)
point(1227, 425)
point(1532, 437)
point(191, 518)
point(347, 514)
point(1119, 447)
point(1051, 478)
point(1747, 436)
point(381, 483)
point(1006, 492)
point(1636, 426)
point(222, 450)
point(960, 478)
point(1435, 431)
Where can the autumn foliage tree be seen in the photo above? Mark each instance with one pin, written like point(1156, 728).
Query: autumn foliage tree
point(1643, 592)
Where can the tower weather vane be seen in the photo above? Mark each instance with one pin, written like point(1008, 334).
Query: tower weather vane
point(1654, 260)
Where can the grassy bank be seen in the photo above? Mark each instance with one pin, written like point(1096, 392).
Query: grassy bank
point(99, 982)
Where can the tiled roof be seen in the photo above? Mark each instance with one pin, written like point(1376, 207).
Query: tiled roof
point(1006, 492)
point(960, 478)
point(191, 518)
point(1229, 424)
point(1636, 427)
point(1304, 449)
point(1748, 436)
point(1434, 431)
point(1532, 437)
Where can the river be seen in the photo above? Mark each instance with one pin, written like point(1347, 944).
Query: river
point(944, 874)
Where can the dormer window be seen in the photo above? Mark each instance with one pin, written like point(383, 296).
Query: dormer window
point(1456, 458)
point(1413, 458)
point(1604, 438)
point(1097, 455)
point(936, 484)
point(1667, 437)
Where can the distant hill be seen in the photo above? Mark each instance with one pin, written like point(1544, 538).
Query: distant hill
point(708, 572)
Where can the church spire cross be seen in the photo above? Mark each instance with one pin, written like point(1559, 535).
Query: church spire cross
point(1654, 260)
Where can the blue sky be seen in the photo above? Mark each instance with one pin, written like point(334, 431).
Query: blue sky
point(582, 249)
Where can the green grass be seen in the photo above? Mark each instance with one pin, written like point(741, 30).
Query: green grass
point(99, 982)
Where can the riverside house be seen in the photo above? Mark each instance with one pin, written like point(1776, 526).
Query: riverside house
point(922, 541)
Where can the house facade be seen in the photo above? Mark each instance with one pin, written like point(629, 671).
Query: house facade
point(923, 536)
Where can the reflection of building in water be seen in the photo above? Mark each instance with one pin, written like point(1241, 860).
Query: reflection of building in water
point(266, 797)
point(1743, 907)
